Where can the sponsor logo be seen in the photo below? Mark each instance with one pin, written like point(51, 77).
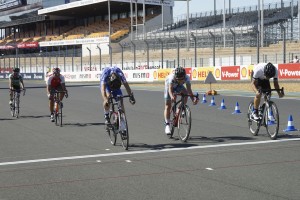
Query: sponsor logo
point(289, 73)
point(141, 75)
point(155, 74)
point(194, 74)
point(217, 73)
point(2, 76)
point(27, 76)
point(230, 75)
point(35, 76)
point(84, 76)
point(244, 72)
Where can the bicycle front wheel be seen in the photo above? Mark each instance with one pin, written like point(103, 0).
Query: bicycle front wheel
point(112, 128)
point(123, 130)
point(12, 109)
point(253, 125)
point(272, 120)
point(184, 123)
point(17, 106)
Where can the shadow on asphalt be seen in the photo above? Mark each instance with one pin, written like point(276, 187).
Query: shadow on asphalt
point(83, 124)
point(161, 146)
point(219, 139)
point(295, 134)
point(7, 119)
point(34, 117)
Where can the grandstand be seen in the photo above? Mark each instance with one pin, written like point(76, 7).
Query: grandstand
point(36, 34)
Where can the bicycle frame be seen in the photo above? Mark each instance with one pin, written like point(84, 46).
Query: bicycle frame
point(15, 107)
point(57, 107)
point(118, 121)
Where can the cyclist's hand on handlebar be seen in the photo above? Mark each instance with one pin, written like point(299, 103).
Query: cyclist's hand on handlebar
point(132, 99)
point(49, 96)
point(66, 94)
point(280, 94)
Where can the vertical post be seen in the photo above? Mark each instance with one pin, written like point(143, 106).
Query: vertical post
point(234, 46)
point(162, 14)
point(17, 51)
point(188, 25)
point(134, 56)
point(90, 53)
point(214, 47)
point(162, 52)
point(195, 48)
point(110, 54)
point(262, 24)
point(224, 25)
point(257, 46)
point(147, 45)
point(284, 42)
point(99, 57)
point(122, 55)
point(178, 47)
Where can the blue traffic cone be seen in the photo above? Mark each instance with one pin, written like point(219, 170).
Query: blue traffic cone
point(290, 125)
point(237, 109)
point(222, 107)
point(204, 99)
point(271, 119)
point(212, 102)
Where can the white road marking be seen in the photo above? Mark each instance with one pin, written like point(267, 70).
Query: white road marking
point(128, 161)
point(98, 161)
point(143, 152)
point(209, 169)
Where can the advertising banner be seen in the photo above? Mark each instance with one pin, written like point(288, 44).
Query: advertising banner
point(289, 71)
point(139, 75)
point(230, 73)
point(217, 73)
point(28, 45)
point(246, 71)
point(161, 74)
point(200, 73)
point(26, 76)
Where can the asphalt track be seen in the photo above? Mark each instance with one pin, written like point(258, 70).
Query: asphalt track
point(222, 160)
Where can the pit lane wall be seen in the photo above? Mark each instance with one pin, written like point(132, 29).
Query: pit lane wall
point(221, 73)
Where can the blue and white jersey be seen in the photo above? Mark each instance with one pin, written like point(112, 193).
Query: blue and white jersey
point(171, 80)
point(110, 70)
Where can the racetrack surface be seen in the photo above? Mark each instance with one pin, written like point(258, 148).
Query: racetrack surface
point(221, 160)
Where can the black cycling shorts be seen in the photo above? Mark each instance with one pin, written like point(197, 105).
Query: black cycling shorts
point(263, 84)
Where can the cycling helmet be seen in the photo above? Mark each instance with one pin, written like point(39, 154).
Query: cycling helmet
point(56, 70)
point(269, 70)
point(16, 69)
point(114, 82)
point(180, 72)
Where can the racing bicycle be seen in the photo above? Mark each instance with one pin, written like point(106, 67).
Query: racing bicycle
point(118, 122)
point(181, 117)
point(15, 106)
point(58, 106)
point(268, 115)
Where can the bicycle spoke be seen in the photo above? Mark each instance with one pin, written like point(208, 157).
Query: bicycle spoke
point(184, 124)
point(112, 128)
point(253, 125)
point(123, 128)
point(272, 120)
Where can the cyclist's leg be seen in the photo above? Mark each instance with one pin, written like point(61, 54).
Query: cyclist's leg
point(51, 105)
point(61, 95)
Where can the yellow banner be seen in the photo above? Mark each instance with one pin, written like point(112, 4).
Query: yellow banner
point(200, 73)
point(161, 74)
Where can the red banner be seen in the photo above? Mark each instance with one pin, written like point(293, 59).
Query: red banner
point(28, 45)
point(7, 47)
point(230, 73)
point(289, 71)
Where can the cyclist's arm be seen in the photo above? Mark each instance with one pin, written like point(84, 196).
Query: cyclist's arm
point(189, 89)
point(10, 84)
point(103, 92)
point(127, 87)
point(253, 85)
point(63, 85)
point(171, 92)
point(276, 86)
point(22, 83)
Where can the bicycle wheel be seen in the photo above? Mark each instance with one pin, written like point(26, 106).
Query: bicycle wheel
point(17, 106)
point(253, 125)
point(59, 116)
point(12, 108)
point(272, 120)
point(184, 123)
point(112, 128)
point(123, 130)
point(173, 123)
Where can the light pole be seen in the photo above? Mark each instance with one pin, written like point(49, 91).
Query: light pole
point(100, 61)
point(122, 55)
point(162, 52)
point(90, 58)
point(195, 48)
point(177, 40)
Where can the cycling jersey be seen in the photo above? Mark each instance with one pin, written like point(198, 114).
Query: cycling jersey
point(110, 70)
point(15, 80)
point(176, 86)
point(55, 81)
point(258, 72)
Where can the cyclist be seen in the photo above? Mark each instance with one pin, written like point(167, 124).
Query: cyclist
point(15, 83)
point(56, 82)
point(110, 83)
point(261, 81)
point(174, 83)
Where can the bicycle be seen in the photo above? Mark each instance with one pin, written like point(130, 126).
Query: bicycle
point(58, 114)
point(15, 106)
point(118, 122)
point(268, 115)
point(181, 118)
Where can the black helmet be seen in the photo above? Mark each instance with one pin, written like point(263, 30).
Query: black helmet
point(180, 72)
point(269, 70)
point(16, 69)
point(114, 82)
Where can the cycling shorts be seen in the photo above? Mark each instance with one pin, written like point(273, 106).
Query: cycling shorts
point(263, 84)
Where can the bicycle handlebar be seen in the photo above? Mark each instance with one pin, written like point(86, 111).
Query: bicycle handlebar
point(14, 90)
point(270, 90)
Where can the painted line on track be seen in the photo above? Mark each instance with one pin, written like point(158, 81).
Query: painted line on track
point(143, 152)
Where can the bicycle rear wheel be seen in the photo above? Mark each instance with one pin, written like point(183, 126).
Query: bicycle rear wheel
point(253, 125)
point(123, 130)
point(112, 128)
point(17, 106)
point(272, 120)
point(184, 123)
